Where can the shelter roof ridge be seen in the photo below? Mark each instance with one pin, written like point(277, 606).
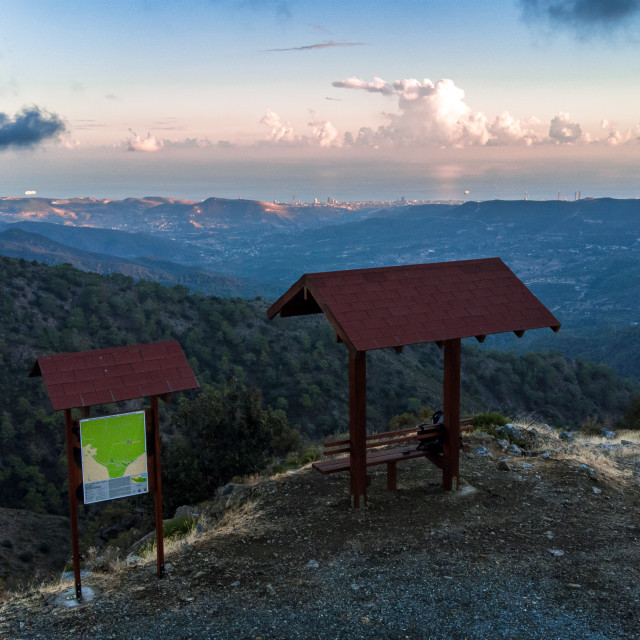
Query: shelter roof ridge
point(431, 301)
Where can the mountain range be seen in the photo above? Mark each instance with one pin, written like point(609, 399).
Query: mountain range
point(581, 258)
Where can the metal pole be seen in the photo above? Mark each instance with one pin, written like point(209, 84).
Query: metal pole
point(72, 473)
point(158, 487)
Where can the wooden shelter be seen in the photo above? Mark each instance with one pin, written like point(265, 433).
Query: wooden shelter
point(89, 378)
point(396, 306)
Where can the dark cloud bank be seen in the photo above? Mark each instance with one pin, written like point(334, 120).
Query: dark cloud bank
point(584, 14)
point(28, 128)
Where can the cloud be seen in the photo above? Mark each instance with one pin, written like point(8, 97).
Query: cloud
point(377, 86)
point(583, 15)
point(281, 132)
point(187, 143)
point(29, 128)
point(149, 144)
point(322, 45)
point(436, 114)
point(562, 131)
point(322, 132)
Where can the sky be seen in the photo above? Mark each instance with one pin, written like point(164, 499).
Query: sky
point(354, 100)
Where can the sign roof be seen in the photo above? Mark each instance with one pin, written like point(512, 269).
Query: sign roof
point(87, 378)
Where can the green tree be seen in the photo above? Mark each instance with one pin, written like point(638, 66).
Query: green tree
point(224, 432)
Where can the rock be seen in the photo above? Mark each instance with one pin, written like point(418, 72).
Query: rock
point(503, 444)
point(187, 510)
point(270, 590)
point(514, 450)
point(565, 435)
point(134, 559)
point(67, 599)
point(483, 451)
point(227, 490)
point(626, 443)
point(556, 552)
point(312, 564)
point(608, 434)
point(504, 465)
point(527, 465)
point(509, 431)
point(546, 455)
point(596, 490)
point(239, 494)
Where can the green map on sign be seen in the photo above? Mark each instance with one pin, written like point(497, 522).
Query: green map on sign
point(114, 443)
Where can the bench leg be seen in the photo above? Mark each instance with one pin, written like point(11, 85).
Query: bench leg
point(391, 476)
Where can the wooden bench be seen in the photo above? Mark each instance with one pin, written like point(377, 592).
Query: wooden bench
point(389, 448)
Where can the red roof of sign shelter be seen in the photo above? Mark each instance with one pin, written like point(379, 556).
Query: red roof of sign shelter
point(396, 306)
point(102, 376)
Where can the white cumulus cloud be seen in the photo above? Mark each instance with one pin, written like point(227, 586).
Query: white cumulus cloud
point(149, 144)
point(322, 132)
point(563, 131)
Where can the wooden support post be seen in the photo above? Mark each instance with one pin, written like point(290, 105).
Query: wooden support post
point(392, 476)
point(358, 425)
point(451, 448)
point(157, 483)
point(73, 442)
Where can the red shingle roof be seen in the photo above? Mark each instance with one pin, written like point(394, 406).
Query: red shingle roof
point(397, 306)
point(102, 376)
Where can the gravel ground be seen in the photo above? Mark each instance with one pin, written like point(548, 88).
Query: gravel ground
point(531, 547)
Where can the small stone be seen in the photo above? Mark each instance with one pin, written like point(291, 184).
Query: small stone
point(549, 534)
point(596, 490)
point(565, 435)
point(504, 465)
point(556, 552)
point(573, 585)
point(312, 564)
point(270, 590)
point(236, 583)
point(514, 450)
point(527, 465)
point(607, 433)
point(545, 455)
point(483, 451)
point(626, 443)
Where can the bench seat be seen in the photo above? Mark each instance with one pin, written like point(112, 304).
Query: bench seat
point(406, 441)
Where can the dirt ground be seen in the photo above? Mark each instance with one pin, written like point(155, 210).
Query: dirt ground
point(545, 545)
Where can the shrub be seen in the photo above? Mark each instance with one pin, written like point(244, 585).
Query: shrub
point(489, 422)
point(631, 419)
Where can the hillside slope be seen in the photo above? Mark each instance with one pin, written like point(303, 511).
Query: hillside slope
point(546, 546)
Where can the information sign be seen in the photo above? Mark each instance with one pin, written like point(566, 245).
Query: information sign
point(114, 456)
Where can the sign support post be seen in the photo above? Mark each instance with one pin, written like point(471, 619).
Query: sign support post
point(73, 444)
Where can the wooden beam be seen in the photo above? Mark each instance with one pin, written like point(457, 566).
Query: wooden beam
point(451, 444)
point(358, 426)
point(157, 494)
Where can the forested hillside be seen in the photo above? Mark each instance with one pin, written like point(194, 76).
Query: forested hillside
point(295, 362)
